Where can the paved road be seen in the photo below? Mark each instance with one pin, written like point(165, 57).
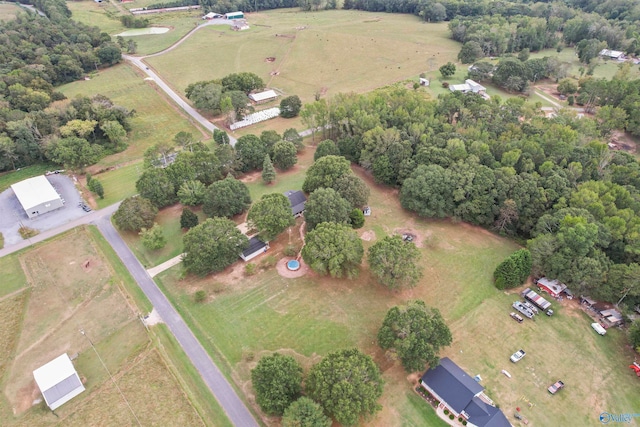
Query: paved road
point(235, 409)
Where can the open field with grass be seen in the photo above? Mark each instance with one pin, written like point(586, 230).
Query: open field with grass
point(72, 285)
point(245, 317)
point(103, 15)
point(9, 178)
point(9, 11)
point(330, 51)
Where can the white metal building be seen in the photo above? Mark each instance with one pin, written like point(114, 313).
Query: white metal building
point(37, 196)
point(261, 97)
point(58, 381)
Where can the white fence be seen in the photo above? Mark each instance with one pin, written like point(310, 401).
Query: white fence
point(256, 117)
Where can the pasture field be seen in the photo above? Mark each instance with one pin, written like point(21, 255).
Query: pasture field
point(72, 284)
point(103, 15)
point(8, 11)
point(246, 317)
point(327, 52)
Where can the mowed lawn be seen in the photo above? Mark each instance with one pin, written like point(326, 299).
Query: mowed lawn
point(72, 287)
point(246, 317)
point(327, 52)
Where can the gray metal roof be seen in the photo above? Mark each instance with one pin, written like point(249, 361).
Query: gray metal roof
point(255, 244)
point(452, 384)
point(60, 391)
point(482, 414)
point(297, 200)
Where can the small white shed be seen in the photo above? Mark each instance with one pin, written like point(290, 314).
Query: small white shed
point(58, 381)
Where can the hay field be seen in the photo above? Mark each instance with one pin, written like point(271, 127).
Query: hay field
point(73, 287)
point(327, 52)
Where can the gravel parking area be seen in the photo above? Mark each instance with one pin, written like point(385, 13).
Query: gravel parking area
point(12, 215)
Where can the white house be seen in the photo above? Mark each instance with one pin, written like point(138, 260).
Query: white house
point(468, 86)
point(613, 54)
point(37, 196)
point(58, 381)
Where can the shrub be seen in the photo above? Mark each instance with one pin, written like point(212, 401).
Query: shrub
point(268, 261)
point(464, 422)
point(290, 250)
point(514, 270)
point(446, 412)
point(250, 269)
point(27, 233)
point(460, 419)
point(200, 296)
point(451, 416)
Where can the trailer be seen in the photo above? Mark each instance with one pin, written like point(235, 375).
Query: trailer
point(522, 309)
point(536, 299)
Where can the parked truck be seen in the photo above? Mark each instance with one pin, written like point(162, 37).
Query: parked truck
point(536, 299)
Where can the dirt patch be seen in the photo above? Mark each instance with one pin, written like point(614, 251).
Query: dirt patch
point(418, 237)
point(270, 59)
point(26, 397)
point(622, 141)
point(281, 268)
point(251, 177)
point(368, 236)
point(153, 318)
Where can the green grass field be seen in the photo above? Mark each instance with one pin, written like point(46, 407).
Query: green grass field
point(9, 178)
point(330, 51)
point(103, 15)
point(245, 317)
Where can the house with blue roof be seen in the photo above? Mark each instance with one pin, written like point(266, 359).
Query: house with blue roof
point(462, 395)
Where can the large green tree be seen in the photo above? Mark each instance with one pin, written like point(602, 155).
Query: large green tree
point(514, 270)
point(284, 155)
point(212, 246)
point(277, 380)
point(290, 106)
point(326, 148)
point(333, 249)
point(153, 238)
point(251, 151)
point(324, 172)
point(135, 213)
point(154, 184)
point(429, 191)
point(270, 215)
point(395, 263)
point(353, 189)
point(192, 193)
point(348, 384)
point(448, 70)
point(416, 333)
point(226, 198)
point(326, 205)
point(74, 152)
point(268, 171)
point(304, 412)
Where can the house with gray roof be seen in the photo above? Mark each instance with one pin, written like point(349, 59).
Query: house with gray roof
point(297, 200)
point(462, 395)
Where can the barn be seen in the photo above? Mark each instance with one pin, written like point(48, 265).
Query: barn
point(262, 97)
point(37, 196)
point(234, 15)
point(58, 381)
point(552, 287)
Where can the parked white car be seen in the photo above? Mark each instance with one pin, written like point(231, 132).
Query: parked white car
point(517, 356)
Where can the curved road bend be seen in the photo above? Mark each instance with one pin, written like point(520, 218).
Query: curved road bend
point(235, 409)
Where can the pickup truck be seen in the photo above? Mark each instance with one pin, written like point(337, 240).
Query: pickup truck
point(517, 356)
point(555, 387)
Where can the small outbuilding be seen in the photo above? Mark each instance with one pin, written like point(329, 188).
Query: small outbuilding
point(58, 381)
point(234, 15)
point(255, 248)
point(262, 97)
point(613, 54)
point(297, 199)
point(37, 196)
point(612, 316)
point(552, 287)
point(212, 15)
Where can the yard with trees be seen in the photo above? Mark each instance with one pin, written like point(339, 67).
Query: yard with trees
point(333, 249)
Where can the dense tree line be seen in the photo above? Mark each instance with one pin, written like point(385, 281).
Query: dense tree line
point(36, 55)
point(501, 165)
point(224, 96)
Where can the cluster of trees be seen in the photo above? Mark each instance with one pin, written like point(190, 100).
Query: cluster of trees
point(37, 54)
point(347, 384)
point(224, 96)
point(75, 133)
point(502, 165)
point(281, 150)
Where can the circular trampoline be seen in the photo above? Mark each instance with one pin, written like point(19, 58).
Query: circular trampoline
point(293, 265)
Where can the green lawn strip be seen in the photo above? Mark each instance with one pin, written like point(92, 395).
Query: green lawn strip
point(418, 412)
point(180, 23)
point(155, 119)
point(121, 271)
point(13, 277)
point(169, 220)
point(9, 178)
point(201, 332)
point(191, 381)
point(198, 392)
point(118, 183)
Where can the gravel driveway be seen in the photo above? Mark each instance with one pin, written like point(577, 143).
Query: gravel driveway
point(12, 214)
